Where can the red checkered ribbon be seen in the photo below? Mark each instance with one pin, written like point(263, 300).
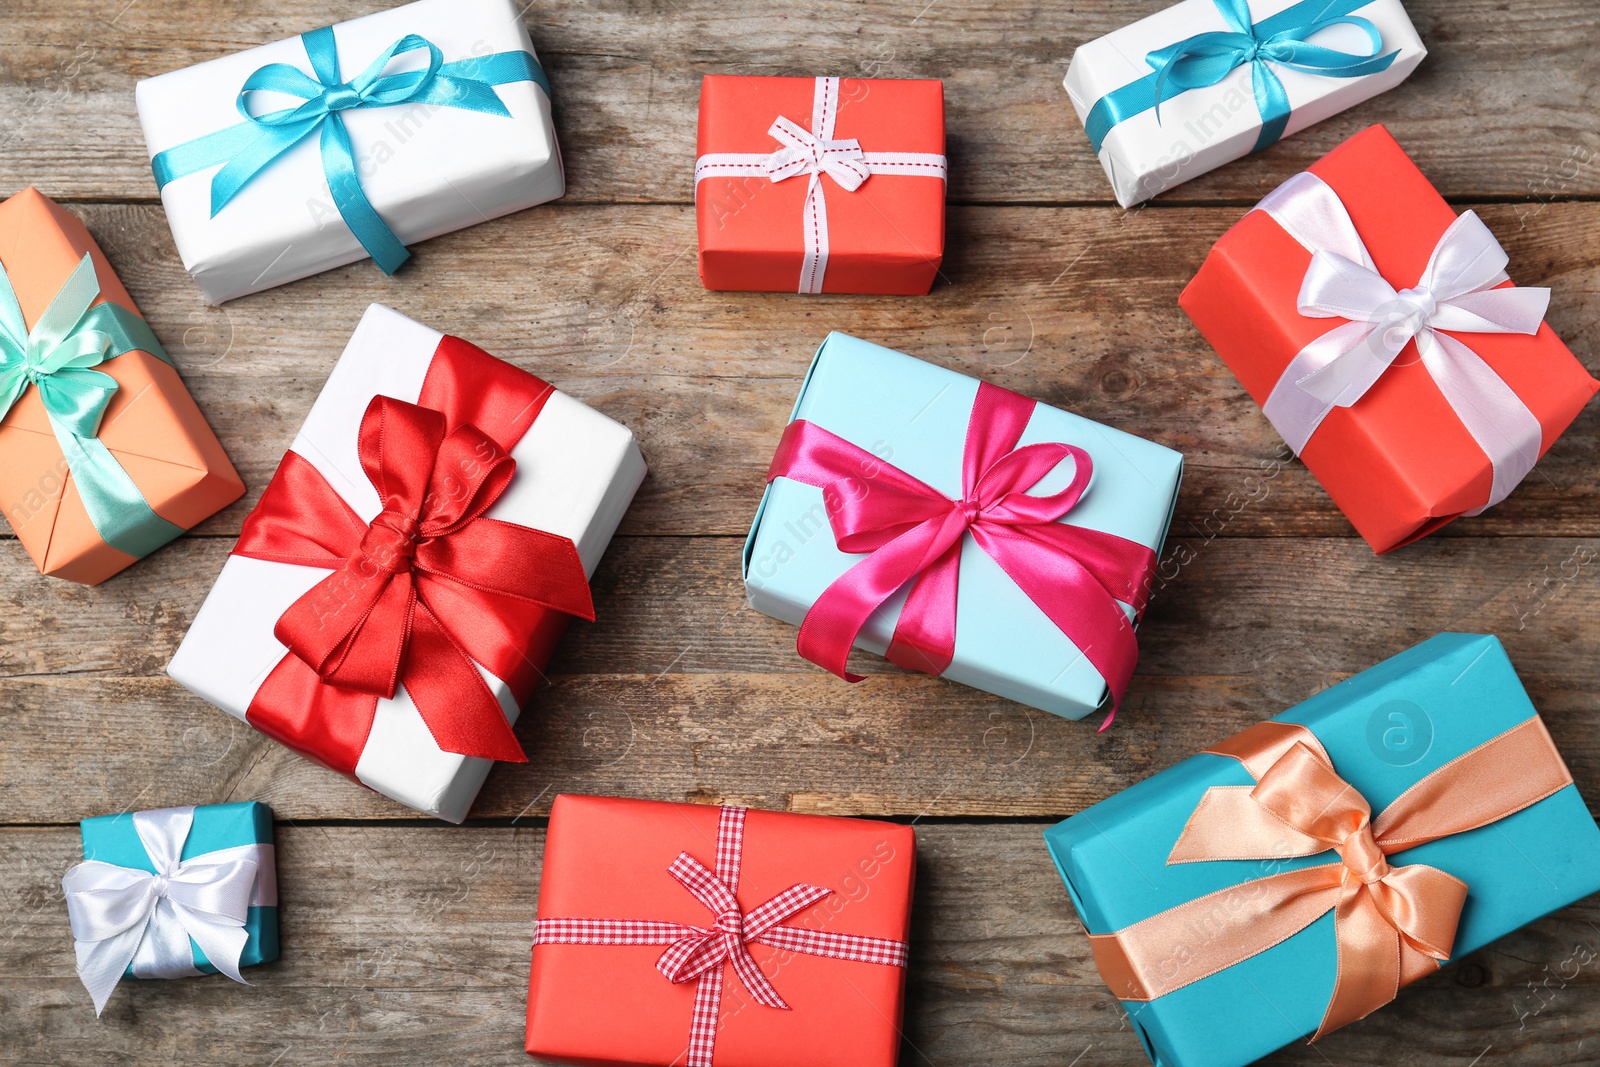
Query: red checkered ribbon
point(695, 953)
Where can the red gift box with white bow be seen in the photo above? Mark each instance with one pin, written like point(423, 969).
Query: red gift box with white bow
point(1382, 338)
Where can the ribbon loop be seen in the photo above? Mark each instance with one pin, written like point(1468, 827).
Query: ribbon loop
point(126, 918)
point(914, 534)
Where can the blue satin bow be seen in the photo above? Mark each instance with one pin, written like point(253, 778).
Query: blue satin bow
point(1207, 58)
point(58, 355)
point(249, 147)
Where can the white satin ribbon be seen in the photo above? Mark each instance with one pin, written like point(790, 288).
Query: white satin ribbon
point(1456, 293)
point(122, 916)
point(815, 152)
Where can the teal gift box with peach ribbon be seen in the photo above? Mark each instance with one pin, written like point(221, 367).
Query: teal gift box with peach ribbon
point(1291, 878)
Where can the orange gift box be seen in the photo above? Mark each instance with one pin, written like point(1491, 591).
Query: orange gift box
point(1399, 462)
point(758, 234)
point(151, 426)
point(597, 1003)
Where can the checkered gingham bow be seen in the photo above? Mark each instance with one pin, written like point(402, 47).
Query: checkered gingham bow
point(697, 953)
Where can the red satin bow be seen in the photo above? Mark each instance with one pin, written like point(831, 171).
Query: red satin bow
point(913, 533)
point(424, 590)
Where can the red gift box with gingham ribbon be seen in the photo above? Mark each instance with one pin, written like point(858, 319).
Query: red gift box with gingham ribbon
point(719, 937)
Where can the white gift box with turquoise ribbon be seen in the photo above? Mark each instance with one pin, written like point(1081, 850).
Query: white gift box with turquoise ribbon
point(1232, 76)
point(366, 136)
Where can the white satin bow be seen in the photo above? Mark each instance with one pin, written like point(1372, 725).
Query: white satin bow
point(122, 916)
point(1455, 293)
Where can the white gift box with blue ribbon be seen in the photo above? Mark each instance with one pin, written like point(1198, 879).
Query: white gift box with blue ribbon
point(1205, 82)
point(350, 141)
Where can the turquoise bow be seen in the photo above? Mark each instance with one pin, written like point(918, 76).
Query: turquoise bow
point(1207, 58)
point(249, 147)
point(57, 356)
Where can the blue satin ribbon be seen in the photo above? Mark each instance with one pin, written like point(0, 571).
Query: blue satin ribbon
point(249, 147)
point(1206, 58)
point(57, 356)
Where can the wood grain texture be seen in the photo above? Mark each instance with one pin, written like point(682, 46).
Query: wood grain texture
point(1503, 106)
point(682, 692)
point(385, 957)
point(1074, 306)
point(406, 941)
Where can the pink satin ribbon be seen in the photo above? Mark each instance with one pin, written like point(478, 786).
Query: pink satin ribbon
point(913, 533)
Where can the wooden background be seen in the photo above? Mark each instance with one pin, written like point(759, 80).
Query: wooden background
point(405, 941)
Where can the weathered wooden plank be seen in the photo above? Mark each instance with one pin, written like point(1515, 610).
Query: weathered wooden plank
point(681, 691)
point(1075, 307)
point(626, 77)
point(383, 956)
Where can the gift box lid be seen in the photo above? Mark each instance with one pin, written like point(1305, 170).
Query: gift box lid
point(1384, 729)
point(113, 839)
point(608, 858)
point(914, 415)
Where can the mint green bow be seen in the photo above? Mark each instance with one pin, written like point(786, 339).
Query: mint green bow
point(58, 355)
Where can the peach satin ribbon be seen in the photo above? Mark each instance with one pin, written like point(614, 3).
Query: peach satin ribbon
point(1391, 922)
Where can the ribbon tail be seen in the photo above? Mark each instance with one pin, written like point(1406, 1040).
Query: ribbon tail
point(344, 183)
point(222, 942)
point(1501, 424)
point(1272, 101)
point(837, 616)
point(1369, 950)
point(925, 634)
point(101, 964)
point(814, 219)
point(1071, 597)
point(455, 703)
point(121, 515)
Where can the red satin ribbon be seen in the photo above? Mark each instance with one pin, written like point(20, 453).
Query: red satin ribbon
point(913, 533)
point(426, 591)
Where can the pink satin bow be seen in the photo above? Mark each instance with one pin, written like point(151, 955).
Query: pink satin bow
point(914, 533)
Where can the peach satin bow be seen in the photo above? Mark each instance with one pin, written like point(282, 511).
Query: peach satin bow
point(1392, 923)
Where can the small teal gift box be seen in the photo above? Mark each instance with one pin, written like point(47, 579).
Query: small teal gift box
point(172, 893)
point(960, 529)
point(1291, 878)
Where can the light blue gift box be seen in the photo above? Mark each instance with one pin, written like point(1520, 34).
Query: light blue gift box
point(1384, 729)
point(914, 415)
point(113, 839)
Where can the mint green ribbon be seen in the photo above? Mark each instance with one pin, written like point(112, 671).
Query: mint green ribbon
point(249, 147)
point(58, 356)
